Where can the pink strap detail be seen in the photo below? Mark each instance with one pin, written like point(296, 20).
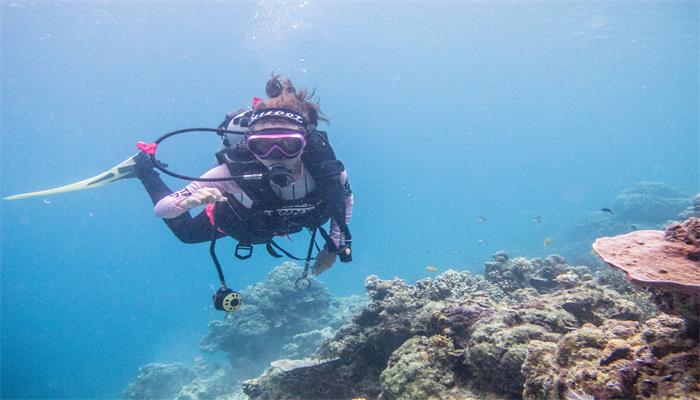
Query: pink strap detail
point(148, 148)
point(256, 100)
point(209, 209)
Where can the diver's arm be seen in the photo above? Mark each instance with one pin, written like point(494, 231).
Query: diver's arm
point(326, 257)
point(336, 234)
point(180, 202)
point(185, 228)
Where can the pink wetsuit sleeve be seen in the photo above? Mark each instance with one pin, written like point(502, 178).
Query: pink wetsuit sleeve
point(336, 235)
point(168, 207)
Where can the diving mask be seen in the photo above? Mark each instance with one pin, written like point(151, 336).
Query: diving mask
point(276, 143)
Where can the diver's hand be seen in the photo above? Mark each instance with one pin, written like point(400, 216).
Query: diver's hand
point(200, 197)
point(324, 260)
point(345, 253)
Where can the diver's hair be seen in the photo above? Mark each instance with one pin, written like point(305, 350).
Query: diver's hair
point(282, 94)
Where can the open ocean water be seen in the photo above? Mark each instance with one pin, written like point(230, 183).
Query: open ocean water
point(442, 112)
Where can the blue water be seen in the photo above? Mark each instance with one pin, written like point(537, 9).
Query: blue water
point(441, 112)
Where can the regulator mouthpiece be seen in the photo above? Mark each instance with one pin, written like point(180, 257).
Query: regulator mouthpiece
point(281, 175)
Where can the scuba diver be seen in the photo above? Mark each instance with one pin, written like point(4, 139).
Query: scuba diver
point(277, 175)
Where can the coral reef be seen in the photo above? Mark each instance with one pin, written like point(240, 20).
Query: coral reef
point(517, 273)
point(650, 203)
point(496, 349)
point(692, 211)
point(299, 344)
point(530, 328)
point(455, 336)
point(159, 381)
point(646, 205)
point(617, 360)
point(182, 382)
point(420, 368)
point(276, 320)
point(687, 232)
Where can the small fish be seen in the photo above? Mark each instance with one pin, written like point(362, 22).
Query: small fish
point(430, 268)
point(547, 241)
point(607, 210)
point(633, 227)
point(537, 220)
point(480, 219)
point(571, 395)
point(47, 201)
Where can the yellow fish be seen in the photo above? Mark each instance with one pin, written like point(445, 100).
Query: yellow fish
point(547, 241)
point(430, 268)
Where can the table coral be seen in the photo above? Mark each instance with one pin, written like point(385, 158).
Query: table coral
point(666, 262)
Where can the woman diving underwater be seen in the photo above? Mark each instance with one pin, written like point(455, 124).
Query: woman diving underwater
point(281, 178)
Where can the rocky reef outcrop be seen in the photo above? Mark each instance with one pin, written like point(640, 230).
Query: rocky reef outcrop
point(458, 335)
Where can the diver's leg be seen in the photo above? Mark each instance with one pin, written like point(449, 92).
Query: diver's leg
point(155, 187)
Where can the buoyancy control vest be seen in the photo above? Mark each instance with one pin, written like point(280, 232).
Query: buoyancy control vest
point(269, 215)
